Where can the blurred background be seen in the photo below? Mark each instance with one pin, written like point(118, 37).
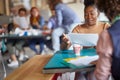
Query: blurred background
point(10, 7)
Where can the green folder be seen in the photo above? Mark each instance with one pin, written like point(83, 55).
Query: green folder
point(57, 61)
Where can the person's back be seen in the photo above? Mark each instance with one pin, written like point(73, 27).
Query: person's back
point(115, 36)
point(68, 15)
point(109, 42)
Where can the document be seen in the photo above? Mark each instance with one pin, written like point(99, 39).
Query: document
point(83, 39)
point(82, 61)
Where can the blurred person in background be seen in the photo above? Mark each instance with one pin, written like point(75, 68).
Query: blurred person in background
point(66, 17)
point(37, 22)
point(18, 43)
point(51, 25)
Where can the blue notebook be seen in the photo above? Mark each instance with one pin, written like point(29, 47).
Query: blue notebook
point(57, 61)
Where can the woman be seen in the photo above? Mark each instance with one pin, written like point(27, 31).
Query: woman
point(65, 18)
point(91, 25)
point(108, 43)
point(37, 22)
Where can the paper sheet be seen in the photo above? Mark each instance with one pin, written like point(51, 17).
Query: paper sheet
point(82, 60)
point(83, 39)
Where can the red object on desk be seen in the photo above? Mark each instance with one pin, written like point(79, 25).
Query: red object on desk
point(56, 76)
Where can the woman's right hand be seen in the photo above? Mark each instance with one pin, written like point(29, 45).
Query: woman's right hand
point(65, 39)
point(65, 42)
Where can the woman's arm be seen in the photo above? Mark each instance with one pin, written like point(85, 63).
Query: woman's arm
point(59, 17)
point(42, 21)
point(104, 50)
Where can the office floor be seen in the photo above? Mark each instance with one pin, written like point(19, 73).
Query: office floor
point(28, 52)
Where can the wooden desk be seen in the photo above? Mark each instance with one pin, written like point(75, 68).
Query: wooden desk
point(32, 69)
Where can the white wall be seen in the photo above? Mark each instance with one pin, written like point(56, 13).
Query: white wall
point(79, 9)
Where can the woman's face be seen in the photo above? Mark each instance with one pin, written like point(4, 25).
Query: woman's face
point(91, 15)
point(35, 12)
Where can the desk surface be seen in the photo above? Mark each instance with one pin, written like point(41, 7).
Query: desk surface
point(32, 69)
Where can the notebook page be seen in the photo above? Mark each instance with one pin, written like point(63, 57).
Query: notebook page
point(83, 39)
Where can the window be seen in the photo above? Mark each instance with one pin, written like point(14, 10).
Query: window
point(69, 1)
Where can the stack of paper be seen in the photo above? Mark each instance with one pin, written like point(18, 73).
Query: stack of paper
point(81, 61)
point(83, 39)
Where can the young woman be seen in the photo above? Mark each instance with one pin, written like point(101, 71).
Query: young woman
point(37, 22)
point(91, 25)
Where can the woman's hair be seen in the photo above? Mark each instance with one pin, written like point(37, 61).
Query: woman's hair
point(110, 7)
point(89, 2)
point(22, 9)
point(53, 3)
point(32, 17)
point(92, 3)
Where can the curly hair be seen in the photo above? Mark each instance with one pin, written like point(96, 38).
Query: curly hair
point(110, 7)
point(22, 9)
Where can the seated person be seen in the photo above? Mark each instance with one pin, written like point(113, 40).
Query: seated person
point(91, 25)
point(51, 25)
point(108, 47)
point(18, 43)
point(37, 22)
point(52, 22)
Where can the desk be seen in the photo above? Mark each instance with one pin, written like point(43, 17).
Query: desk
point(32, 69)
point(14, 36)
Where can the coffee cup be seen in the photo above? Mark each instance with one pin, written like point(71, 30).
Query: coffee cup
point(77, 48)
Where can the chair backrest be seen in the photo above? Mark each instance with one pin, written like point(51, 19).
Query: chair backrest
point(5, 19)
point(2, 68)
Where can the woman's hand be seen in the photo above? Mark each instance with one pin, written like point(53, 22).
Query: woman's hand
point(65, 39)
point(65, 42)
point(37, 25)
